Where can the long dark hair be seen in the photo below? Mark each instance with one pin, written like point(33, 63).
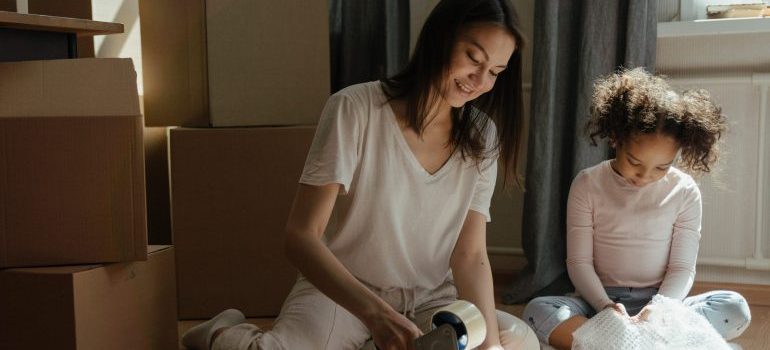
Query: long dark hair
point(420, 83)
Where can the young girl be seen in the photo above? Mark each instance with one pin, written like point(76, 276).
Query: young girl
point(411, 164)
point(633, 222)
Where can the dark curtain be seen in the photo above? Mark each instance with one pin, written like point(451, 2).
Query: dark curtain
point(575, 42)
point(369, 40)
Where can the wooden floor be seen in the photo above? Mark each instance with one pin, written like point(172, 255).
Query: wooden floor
point(756, 337)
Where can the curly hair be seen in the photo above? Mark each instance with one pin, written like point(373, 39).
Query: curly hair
point(632, 102)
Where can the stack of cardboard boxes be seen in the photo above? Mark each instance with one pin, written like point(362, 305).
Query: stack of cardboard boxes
point(242, 84)
point(232, 92)
point(76, 269)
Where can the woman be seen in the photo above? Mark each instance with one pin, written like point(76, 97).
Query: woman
point(410, 163)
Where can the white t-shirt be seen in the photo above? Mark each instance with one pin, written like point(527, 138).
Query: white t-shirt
point(397, 224)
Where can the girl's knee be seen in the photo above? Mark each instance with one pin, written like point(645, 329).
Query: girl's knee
point(543, 314)
point(728, 312)
point(537, 307)
point(553, 307)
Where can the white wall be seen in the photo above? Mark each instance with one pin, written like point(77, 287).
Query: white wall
point(129, 43)
point(22, 6)
point(736, 214)
point(418, 12)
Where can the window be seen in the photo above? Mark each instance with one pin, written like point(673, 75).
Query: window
point(691, 10)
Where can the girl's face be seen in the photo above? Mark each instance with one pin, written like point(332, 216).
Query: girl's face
point(645, 158)
point(481, 52)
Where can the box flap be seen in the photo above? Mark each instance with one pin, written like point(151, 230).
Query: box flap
point(152, 249)
point(72, 269)
point(54, 270)
point(73, 87)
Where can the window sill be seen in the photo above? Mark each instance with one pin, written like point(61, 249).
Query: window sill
point(713, 27)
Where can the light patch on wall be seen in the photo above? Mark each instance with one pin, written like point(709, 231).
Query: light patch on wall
point(22, 6)
point(419, 11)
point(129, 43)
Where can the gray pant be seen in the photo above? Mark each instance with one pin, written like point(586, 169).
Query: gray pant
point(727, 311)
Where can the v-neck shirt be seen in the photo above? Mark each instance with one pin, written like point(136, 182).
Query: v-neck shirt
point(397, 224)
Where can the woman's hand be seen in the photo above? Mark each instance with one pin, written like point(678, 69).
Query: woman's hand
point(490, 347)
point(307, 221)
point(393, 331)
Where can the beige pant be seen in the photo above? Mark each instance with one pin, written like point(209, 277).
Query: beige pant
point(310, 320)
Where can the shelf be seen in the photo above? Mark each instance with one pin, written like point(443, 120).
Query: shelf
point(80, 27)
point(713, 27)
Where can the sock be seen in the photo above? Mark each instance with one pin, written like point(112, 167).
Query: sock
point(199, 337)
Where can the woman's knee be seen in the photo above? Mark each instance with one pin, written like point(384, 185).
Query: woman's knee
point(727, 311)
point(515, 333)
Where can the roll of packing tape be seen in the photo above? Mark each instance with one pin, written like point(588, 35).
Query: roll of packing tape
point(467, 321)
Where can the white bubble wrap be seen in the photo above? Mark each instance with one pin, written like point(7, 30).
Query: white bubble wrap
point(670, 325)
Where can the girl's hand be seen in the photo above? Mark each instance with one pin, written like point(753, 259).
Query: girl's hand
point(393, 331)
point(619, 308)
point(644, 314)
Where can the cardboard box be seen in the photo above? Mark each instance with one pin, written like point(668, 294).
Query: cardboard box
point(72, 185)
point(231, 193)
point(91, 307)
point(268, 61)
point(234, 62)
point(174, 62)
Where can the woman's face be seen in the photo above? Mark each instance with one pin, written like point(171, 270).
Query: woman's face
point(481, 52)
point(645, 158)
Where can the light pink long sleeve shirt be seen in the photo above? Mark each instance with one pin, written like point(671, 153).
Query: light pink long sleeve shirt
point(620, 235)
